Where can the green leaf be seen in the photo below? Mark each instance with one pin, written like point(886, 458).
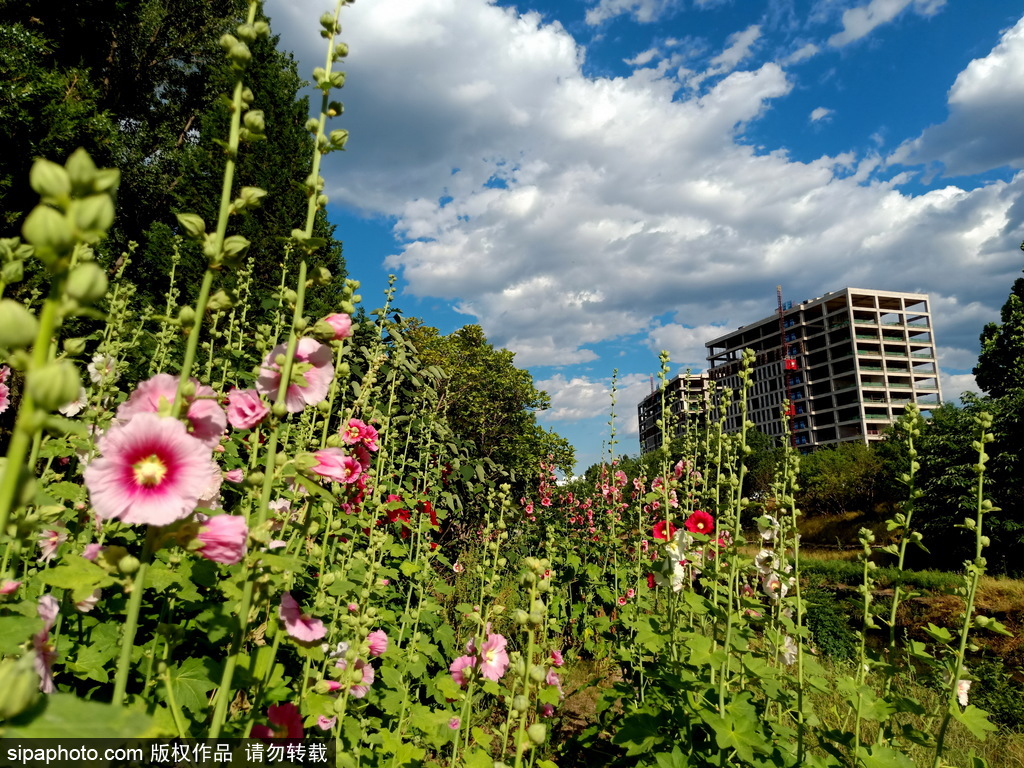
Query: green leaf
point(64, 715)
point(79, 575)
point(15, 631)
point(884, 757)
point(673, 759)
point(638, 734)
point(974, 720)
point(191, 681)
point(478, 758)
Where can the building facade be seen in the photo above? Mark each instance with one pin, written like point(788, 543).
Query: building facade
point(686, 397)
point(848, 362)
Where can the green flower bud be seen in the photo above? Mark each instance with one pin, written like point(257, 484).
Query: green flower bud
point(220, 301)
point(520, 617)
point(538, 674)
point(339, 138)
point(227, 42)
point(18, 326)
point(128, 565)
point(254, 121)
point(240, 55)
point(54, 385)
point(82, 172)
point(87, 283)
point(187, 317)
point(192, 223)
point(519, 703)
point(312, 125)
point(50, 232)
point(254, 479)
point(49, 180)
point(340, 51)
point(19, 685)
point(74, 347)
point(93, 216)
point(262, 28)
point(336, 108)
point(246, 32)
point(537, 733)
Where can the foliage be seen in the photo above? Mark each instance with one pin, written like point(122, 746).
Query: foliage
point(1000, 369)
point(489, 402)
point(840, 478)
point(829, 625)
point(999, 690)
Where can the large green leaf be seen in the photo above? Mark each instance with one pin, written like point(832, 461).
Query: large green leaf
point(192, 680)
point(64, 715)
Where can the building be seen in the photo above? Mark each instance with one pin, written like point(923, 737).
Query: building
point(693, 404)
point(848, 362)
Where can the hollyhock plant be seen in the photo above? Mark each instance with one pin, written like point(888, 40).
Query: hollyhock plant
point(358, 432)
point(150, 471)
point(312, 371)
point(5, 397)
point(341, 324)
point(493, 657)
point(363, 673)
point(223, 539)
point(9, 587)
point(286, 718)
point(660, 529)
point(378, 641)
point(325, 723)
point(45, 654)
point(299, 625)
point(334, 464)
point(207, 420)
point(700, 522)
point(245, 408)
point(459, 669)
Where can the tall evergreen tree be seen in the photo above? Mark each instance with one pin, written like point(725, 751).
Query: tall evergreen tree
point(138, 83)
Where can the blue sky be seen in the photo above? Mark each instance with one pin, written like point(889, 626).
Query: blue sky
point(593, 181)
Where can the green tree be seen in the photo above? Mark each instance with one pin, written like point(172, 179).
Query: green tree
point(489, 402)
point(839, 479)
point(139, 84)
point(1000, 368)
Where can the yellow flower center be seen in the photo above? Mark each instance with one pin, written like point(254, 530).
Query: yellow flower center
point(150, 471)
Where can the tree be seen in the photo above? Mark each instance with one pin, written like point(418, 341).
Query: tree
point(1000, 368)
point(839, 479)
point(489, 402)
point(140, 84)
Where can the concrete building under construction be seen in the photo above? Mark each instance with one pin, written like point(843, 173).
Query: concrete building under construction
point(848, 362)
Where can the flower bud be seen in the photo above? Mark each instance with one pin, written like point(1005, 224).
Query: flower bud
point(18, 326)
point(54, 385)
point(520, 617)
point(19, 685)
point(93, 216)
point(187, 317)
point(519, 703)
point(128, 564)
point(49, 180)
point(254, 121)
point(537, 733)
point(538, 673)
point(50, 232)
point(74, 347)
point(240, 55)
point(87, 282)
point(82, 172)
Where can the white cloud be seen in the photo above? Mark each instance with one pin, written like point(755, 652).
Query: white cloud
point(860, 21)
point(621, 200)
point(955, 384)
point(686, 345)
point(802, 53)
point(643, 58)
point(579, 398)
point(644, 11)
point(820, 113)
point(739, 47)
point(986, 107)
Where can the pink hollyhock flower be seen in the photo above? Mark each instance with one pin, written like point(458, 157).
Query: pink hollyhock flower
point(335, 465)
point(459, 666)
point(150, 471)
point(963, 688)
point(359, 432)
point(89, 603)
point(5, 397)
point(454, 723)
point(45, 654)
point(245, 408)
point(9, 587)
point(223, 539)
point(92, 551)
point(360, 689)
point(312, 371)
point(234, 475)
point(660, 528)
point(493, 657)
point(210, 497)
point(49, 542)
point(378, 642)
point(700, 522)
point(556, 658)
point(325, 723)
point(300, 625)
point(341, 324)
point(622, 600)
point(207, 420)
point(5, 371)
point(630, 593)
point(287, 719)
point(547, 710)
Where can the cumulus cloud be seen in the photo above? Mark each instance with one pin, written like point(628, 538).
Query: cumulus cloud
point(643, 58)
point(562, 210)
point(738, 48)
point(986, 104)
point(578, 398)
point(802, 53)
point(955, 384)
point(820, 113)
point(860, 21)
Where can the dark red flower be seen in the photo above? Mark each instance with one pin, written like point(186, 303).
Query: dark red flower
point(659, 530)
point(650, 581)
point(287, 720)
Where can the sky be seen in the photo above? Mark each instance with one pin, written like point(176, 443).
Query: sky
point(593, 181)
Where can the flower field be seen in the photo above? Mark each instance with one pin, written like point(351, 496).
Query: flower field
point(265, 530)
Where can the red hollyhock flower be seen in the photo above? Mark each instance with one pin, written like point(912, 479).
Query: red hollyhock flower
point(427, 508)
point(650, 581)
point(659, 530)
point(700, 522)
